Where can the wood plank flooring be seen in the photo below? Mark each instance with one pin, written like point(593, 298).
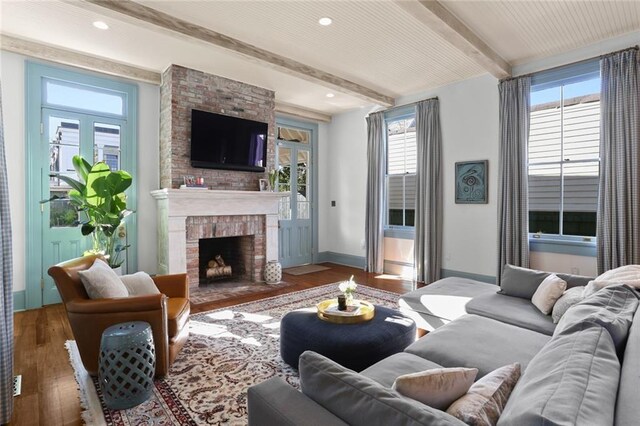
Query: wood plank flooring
point(49, 390)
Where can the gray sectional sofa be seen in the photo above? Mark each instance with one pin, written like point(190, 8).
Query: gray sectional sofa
point(585, 370)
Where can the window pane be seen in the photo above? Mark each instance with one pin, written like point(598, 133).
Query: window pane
point(294, 135)
point(409, 200)
point(581, 130)
point(284, 181)
point(64, 137)
point(106, 139)
point(544, 199)
point(395, 201)
point(79, 96)
point(580, 198)
point(545, 133)
point(401, 147)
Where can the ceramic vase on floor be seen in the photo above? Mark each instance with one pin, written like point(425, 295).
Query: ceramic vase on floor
point(273, 272)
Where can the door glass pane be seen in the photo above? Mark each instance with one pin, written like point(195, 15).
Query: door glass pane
point(580, 198)
point(284, 181)
point(544, 198)
point(64, 137)
point(79, 96)
point(294, 135)
point(106, 144)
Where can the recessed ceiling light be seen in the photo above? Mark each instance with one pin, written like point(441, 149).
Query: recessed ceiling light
point(101, 25)
point(325, 21)
point(330, 95)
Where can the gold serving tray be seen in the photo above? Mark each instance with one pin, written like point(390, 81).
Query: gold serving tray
point(365, 313)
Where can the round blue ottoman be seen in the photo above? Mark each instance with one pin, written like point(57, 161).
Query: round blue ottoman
point(355, 346)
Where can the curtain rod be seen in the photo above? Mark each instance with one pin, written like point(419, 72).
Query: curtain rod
point(604, 55)
point(435, 98)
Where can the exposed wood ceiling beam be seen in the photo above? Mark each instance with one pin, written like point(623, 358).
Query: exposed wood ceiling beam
point(438, 18)
point(295, 111)
point(176, 25)
point(74, 58)
point(77, 59)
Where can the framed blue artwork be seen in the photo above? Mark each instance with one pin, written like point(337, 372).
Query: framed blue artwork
point(472, 182)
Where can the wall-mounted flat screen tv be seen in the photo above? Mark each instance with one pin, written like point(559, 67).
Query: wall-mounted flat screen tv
point(231, 143)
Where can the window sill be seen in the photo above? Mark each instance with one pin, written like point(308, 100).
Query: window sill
point(555, 245)
point(403, 234)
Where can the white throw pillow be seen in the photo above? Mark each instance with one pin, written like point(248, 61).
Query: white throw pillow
point(437, 388)
point(139, 284)
point(629, 275)
point(101, 282)
point(568, 299)
point(548, 293)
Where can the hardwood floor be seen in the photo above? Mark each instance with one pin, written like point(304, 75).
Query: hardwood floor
point(49, 391)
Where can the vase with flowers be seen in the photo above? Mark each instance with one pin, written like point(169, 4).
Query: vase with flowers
point(349, 290)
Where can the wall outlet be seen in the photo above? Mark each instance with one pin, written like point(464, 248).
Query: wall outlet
point(333, 203)
point(575, 271)
point(17, 385)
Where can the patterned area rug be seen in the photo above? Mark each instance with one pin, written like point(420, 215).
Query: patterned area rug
point(228, 350)
point(223, 290)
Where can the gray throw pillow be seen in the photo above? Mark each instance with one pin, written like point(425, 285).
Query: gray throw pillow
point(139, 284)
point(568, 299)
point(101, 282)
point(520, 282)
point(573, 380)
point(612, 308)
point(359, 400)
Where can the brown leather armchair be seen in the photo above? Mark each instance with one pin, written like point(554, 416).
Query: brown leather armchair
point(168, 313)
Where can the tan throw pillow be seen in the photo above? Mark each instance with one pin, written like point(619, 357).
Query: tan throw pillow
point(548, 293)
point(139, 284)
point(101, 282)
point(568, 299)
point(437, 388)
point(486, 399)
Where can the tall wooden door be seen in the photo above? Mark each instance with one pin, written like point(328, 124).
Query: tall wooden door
point(295, 162)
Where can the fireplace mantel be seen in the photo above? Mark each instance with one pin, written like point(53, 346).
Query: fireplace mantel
point(175, 205)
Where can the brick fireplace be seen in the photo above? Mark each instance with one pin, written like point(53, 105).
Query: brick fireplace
point(188, 216)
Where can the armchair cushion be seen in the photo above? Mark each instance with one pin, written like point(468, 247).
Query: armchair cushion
point(177, 314)
point(139, 284)
point(101, 282)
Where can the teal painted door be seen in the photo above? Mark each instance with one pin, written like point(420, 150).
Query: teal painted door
point(296, 218)
point(65, 134)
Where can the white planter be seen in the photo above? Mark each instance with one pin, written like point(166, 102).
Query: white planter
point(273, 272)
point(118, 271)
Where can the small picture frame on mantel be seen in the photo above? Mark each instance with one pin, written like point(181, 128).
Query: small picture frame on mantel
point(472, 182)
point(263, 185)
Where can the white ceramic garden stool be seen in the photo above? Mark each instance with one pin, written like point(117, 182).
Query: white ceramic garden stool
point(273, 272)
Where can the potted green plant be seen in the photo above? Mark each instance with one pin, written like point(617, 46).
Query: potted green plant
point(99, 197)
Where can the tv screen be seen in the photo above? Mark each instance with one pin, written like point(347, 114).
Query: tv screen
point(231, 143)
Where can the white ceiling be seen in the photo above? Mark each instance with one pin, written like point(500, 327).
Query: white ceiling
point(373, 43)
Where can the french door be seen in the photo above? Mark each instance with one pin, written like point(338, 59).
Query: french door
point(65, 134)
point(296, 225)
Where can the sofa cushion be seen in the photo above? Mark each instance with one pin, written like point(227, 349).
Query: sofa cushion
point(442, 301)
point(512, 310)
point(628, 274)
point(612, 307)
point(386, 371)
point(101, 282)
point(438, 387)
point(523, 282)
point(475, 341)
point(359, 400)
point(568, 299)
point(484, 402)
point(627, 407)
point(572, 381)
point(177, 314)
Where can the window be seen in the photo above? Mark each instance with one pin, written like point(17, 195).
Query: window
point(564, 152)
point(401, 172)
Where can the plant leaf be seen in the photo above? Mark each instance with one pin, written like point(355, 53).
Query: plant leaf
point(82, 167)
point(87, 228)
point(78, 186)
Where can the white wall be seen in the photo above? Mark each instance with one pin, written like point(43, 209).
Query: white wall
point(12, 71)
